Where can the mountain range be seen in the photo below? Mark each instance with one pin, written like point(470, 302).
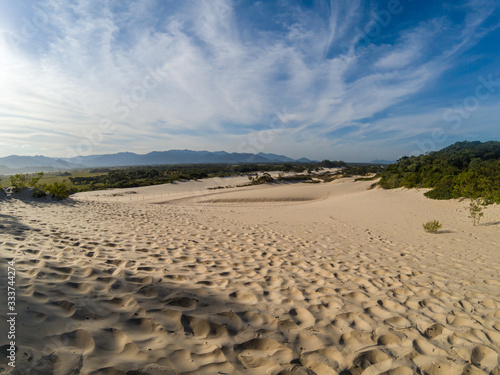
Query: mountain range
point(27, 164)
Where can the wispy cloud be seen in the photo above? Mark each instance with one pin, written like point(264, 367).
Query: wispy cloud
point(219, 81)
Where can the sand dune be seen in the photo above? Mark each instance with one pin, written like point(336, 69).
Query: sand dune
point(280, 279)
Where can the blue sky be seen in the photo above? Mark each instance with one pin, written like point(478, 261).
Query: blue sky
point(353, 80)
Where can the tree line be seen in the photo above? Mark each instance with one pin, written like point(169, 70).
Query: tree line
point(464, 169)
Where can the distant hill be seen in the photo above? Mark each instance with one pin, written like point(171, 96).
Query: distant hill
point(275, 157)
point(16, 164)
point(22, 162)
point(464, 169)
point(7, 171)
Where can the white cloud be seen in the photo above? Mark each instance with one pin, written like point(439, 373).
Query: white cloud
point(217, 82)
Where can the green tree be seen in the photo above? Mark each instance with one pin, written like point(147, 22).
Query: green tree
point(464, 169)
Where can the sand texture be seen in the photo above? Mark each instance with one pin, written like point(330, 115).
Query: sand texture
point(327, 278)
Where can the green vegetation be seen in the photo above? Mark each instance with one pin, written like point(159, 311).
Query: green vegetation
point(19, 182)
point(432, 226)
point(362, 170)
point(367, 178)
point(332, 164)
point(39, 193)
point(34, 180)
point(266, 178)
point(464, 169)
point(127, 177)
point(301, 177)
point(144, 176)
point(475, 210)
point(57, 190)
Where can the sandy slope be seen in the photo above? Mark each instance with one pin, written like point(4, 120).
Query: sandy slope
point(300, 278)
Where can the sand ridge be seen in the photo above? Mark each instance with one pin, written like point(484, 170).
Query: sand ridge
point(342, 281)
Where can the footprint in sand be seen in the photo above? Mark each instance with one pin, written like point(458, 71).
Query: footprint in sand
point(110, 339)
point(80, 339)
point(64, 308)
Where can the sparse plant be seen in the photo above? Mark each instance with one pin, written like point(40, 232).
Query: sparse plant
point(19, 182)
point(33, 182)
point(266, 178)
point(432, 226)
point(475, 210)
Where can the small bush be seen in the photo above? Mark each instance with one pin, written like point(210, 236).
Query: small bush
point(19, 182)
point(266, 178)
point(475, 210)
point(38, 193)
point(57, 190)
point(432, 226)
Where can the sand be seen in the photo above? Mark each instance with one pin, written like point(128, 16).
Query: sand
point(329, 278)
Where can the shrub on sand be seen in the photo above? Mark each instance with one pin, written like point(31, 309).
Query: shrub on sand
point(38, 193)
point(266, 178)
point(57, 190)
point(475, 210)
point(432, 226)
point(19, 182)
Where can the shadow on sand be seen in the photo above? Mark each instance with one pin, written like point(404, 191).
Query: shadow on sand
point(491, 223)
point(26, 196)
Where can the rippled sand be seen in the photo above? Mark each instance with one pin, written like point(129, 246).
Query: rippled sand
point(286, 279)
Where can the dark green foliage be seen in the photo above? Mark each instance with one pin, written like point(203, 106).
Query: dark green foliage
point(442, 190)
point(266, 178)
point(361, 169)
point(332, 164)
point(57, 190)
point(301, 177)
point(464, 169)
point(367, 178)
point(38, 193)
